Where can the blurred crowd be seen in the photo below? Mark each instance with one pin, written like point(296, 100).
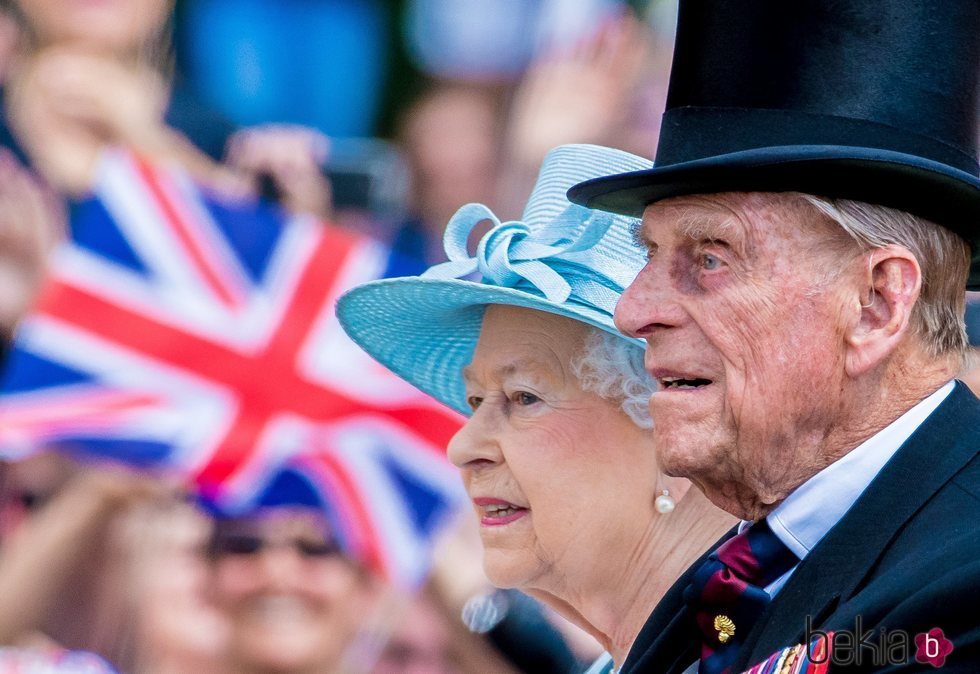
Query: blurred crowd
point(383, 117)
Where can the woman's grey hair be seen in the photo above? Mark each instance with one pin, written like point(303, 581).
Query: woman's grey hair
point(612, 367)
point(943, 256)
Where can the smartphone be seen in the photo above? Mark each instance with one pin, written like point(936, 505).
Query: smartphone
point(367, 174)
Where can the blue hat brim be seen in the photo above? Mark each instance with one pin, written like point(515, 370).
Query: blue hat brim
point(425, 330)
point(929, 189)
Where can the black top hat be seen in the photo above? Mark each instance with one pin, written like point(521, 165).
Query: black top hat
point(873, 100)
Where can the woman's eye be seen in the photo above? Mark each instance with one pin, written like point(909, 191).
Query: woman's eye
point(474, 402)
point(710, 262)
point(525, 398)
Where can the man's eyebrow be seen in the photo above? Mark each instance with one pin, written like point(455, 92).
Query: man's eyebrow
point(701, 226)
point(638, 234)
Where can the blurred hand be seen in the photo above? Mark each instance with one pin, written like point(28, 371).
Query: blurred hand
point(457, 565)
point(124, 105)
point(66, 105)
point(32, 220)
point(9, 39)
point(118, 487)
point(45, 553)
point(580, 95)
point(292, 156)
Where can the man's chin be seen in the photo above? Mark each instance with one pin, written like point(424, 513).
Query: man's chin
point(684, 453)
point(691, 415)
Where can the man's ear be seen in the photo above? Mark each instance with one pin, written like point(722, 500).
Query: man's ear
point(885, 294)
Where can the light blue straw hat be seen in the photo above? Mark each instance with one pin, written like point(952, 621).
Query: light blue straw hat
point(560, 258)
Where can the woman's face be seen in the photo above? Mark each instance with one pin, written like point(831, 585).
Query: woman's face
point(116, 25)
point(292, 601)
point(561, 480)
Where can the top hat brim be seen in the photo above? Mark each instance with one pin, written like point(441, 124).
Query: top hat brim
point(926, 188)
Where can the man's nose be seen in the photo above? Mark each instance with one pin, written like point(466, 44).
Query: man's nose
point(474, 444)
point(649, 305)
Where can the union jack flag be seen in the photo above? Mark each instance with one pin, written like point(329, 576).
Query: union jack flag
point(181, 331)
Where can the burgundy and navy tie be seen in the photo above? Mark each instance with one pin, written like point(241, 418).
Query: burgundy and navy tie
point(727, 593)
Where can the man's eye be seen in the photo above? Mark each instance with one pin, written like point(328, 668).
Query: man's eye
point(474, 402)
point(525, 398)
point(710, 262)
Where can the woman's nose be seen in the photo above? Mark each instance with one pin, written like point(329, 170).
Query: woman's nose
point(474, 444)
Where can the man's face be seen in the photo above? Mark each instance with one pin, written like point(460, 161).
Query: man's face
point(740, 311)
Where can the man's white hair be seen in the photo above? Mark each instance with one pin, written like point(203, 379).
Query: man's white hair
point(944, 258)
point(612, 368)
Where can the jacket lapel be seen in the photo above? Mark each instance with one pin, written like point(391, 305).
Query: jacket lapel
point(836, 567)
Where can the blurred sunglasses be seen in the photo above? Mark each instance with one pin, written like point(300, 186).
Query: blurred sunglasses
point(250, 544)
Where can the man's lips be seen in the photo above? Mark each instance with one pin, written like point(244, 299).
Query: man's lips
point(678, 380)
point(497, 512)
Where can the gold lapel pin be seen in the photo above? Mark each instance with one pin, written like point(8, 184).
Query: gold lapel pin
point(725, 628)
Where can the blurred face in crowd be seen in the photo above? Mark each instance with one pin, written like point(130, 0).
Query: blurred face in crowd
point(27, 485)
point(740, 307)
point(451, 138)
point(292, 600)
point(114, 25)
point(177, 625)
point(421, 644)
point(555, 473)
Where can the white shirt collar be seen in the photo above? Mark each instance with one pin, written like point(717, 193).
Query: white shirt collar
point(818, 504)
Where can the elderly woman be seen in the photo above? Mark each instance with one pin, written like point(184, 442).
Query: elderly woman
point(557, 454)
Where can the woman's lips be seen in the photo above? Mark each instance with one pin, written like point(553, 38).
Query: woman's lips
point(495, 512)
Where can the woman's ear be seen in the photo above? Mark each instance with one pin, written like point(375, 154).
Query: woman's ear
point(882, 300)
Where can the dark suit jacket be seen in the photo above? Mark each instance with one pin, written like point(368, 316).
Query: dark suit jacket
point(906, 556)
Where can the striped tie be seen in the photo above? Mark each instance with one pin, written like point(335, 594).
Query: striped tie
point(727, 593)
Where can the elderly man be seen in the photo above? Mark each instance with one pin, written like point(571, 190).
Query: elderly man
point(811, 223)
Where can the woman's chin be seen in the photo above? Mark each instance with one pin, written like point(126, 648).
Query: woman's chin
point(507, 568)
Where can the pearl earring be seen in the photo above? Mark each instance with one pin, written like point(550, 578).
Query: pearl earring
point(665, 503)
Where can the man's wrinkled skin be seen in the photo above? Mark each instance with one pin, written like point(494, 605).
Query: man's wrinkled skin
point(804, 337)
